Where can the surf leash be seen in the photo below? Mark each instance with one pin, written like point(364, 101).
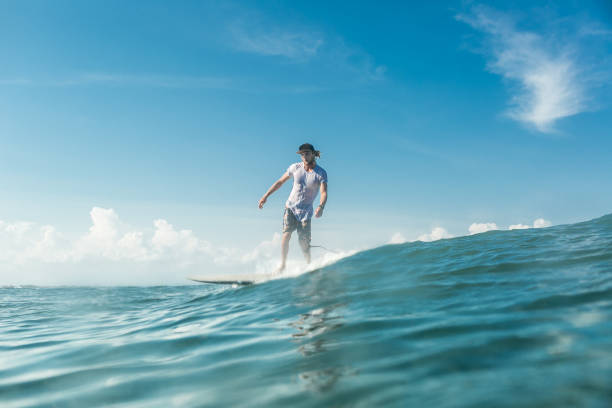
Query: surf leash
point(322, 247)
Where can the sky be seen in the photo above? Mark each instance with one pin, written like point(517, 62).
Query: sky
point(136, 138)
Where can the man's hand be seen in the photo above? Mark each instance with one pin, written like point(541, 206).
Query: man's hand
point(319, 212)
point(262, 201)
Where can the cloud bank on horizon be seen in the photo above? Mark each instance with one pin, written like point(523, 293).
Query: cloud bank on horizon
point(552, 79)
point(110, 244)
point(109, 238)
point(41, 254)
point(438, 233)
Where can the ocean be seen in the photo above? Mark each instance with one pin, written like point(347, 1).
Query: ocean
point(519, 318)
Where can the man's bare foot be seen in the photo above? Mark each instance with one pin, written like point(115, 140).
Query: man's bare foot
point(280, 269)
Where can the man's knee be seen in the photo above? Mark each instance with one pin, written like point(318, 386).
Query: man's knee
point(305, 243)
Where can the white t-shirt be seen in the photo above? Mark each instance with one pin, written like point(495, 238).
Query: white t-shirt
point(305, 188)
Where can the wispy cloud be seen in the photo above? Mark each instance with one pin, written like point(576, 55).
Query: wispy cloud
point(256, 34)
point(551, 81)
point(595, 29)
point(161, 81)
point(254, 37)
point(117, 79)
point(15, 81)
point(354, 59)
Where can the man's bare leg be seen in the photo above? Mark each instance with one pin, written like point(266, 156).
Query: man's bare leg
point(284, 250)
point(305, 245)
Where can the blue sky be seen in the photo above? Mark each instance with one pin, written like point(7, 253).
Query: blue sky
point(137, 137)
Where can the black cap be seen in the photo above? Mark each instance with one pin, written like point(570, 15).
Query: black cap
point(305, 147)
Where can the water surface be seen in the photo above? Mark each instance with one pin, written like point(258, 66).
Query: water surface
point(506, 318)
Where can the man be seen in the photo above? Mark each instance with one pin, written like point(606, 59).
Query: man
point(308, 179)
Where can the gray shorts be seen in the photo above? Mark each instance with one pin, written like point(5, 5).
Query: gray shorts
point(291, 223)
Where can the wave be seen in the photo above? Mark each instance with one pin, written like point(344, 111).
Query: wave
point(502, 318)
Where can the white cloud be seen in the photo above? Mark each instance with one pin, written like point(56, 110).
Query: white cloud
point(435, 234)
point(477, 228)
point(131, 246)
point(551, 82)
point(265, 249)
point(17, 229)
point(22, 241)
point(167, 238)
point(49, 246)
point(108, 238)
point(102, 233)
point(541, 223)
point(518, 226)
point(104, 239)
point(397, 238)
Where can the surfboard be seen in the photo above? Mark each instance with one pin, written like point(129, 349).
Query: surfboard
point(231, 279)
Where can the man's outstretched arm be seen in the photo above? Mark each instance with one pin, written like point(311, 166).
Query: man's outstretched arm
point(273, 188)
point(323, 191)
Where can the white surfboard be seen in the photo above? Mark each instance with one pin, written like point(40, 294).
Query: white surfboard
point(232, 279)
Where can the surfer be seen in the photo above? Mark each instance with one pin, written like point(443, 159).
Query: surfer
point(308, 179)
